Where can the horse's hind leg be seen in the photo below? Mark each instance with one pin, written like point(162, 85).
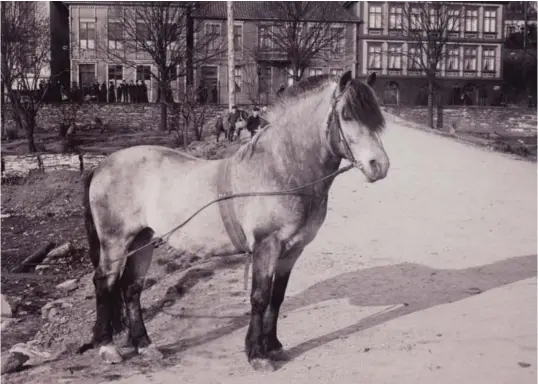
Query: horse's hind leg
point(280, 283)
point(109, 301)
point(132, 284)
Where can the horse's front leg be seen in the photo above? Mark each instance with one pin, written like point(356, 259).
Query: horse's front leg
point(278, 291)
point(265, 255)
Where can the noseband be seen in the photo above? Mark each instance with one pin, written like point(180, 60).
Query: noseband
point(334, 118)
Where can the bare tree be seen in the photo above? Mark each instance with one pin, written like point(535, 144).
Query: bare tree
point(433, 28)
point(25, 59)
point(166, 33)
point(301, 31)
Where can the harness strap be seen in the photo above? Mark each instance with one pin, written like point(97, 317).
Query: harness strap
point(229, 217)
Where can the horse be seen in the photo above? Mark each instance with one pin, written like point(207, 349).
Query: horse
point(222, 125)
point(141, 193)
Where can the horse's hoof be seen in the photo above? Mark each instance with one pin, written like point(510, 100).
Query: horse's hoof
point(151, 352)
point(279, 355)
point(109, 354)
point(262, 365)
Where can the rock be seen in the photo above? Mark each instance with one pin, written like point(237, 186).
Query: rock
point(7, 311)
point(61, 251)
point(32, 352)
point(69, 285)
point(5, 322)
point(11, 361)
point(50, 310)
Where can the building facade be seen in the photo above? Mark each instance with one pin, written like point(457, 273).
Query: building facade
point(471, 69)
point(257, 76)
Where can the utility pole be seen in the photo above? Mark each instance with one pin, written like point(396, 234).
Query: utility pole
point(231, 59)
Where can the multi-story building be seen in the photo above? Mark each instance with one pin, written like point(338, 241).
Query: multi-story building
point(470, 71)
point(257, 76)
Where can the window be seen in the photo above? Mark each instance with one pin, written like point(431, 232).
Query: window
point(374, 56)
point(413, 57)
point(453, 20)
point(375, 16)
point(453, 59)
point(395, 56)
point(265, 79)
point(142, 34)
point(435, 18)
point(471, 20)
point(490, 20)
point(395, 17)
point(337, 41)
point(238, 79)
point(115, 35)
point(469, 59)
point(87, 34)
point(336, 72)
point(115, 74)
point(488, 59)
point(238, 38)
point(415, 19)
point(213, 33)
point(315, 71)
point(143, 72)
point(264, 37)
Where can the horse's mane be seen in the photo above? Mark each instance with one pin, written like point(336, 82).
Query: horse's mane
point(359, 103)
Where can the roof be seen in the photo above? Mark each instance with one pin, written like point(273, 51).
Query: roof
point(265, 10)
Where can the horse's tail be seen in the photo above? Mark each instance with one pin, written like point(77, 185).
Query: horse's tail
point(114, 294)
point(93, 238)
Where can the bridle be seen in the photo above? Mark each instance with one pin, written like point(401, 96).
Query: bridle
point(334, 118)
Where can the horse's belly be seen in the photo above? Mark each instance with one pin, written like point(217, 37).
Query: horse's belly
point(177, 199)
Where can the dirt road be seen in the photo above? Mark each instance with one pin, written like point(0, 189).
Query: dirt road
point(428, 276)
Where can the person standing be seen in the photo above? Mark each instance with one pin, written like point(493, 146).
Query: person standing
point(253, 122)
point(232, 119)
point(111, 93)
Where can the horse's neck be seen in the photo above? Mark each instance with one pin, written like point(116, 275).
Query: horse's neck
point(297, 139)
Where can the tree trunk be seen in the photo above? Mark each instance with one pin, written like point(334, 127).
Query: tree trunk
point(30, 127)
point(430, 101)
point(164, 113)
point(186, 134)
point(440, 106)
point(190, 48)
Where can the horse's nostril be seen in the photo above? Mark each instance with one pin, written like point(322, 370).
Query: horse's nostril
point(373, 165)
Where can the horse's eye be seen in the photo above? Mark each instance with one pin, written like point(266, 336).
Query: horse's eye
point(345, 114)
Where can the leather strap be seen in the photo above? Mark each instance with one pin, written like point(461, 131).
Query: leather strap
point(227, 209)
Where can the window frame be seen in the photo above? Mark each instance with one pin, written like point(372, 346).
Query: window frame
point(374, 17)
point(467, 57)
point(86, 21)
point(491, 58)
point(398, 17)
point(395, 52)
point(471, 23)
point(371, 52)
point(490, 21)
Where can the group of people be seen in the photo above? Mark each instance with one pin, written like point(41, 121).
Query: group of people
point(252, 124)
point(122, 93)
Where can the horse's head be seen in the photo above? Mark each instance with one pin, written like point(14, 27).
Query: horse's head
point(355, 124)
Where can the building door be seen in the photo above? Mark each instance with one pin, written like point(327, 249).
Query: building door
point(210, 81)
point(86, 74)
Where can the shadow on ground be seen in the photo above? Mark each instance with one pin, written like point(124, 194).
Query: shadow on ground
point(416, 287)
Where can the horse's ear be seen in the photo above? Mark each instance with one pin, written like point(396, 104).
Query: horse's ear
point(344, 80)
point(371, 79)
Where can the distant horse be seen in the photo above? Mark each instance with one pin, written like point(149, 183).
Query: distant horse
point(223, 126)
point(142, 193)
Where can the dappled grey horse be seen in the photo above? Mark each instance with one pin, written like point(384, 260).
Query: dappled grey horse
point(270, 201)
